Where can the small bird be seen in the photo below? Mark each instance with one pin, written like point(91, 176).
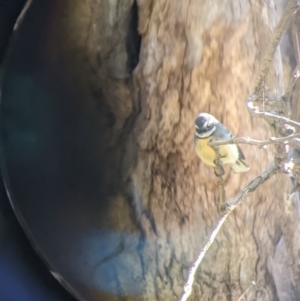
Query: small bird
point(207, 129)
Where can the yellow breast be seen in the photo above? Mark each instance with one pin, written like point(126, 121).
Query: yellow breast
point(229, 153)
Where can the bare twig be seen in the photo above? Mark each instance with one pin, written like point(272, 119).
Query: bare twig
point(206, 245)
point(222, 191)
point(257, 96)
point(291, 7)
point(259, 143)
point(283, 126)
point(252, 186)
point(295, 36)
point(219, 172)
point(296, 45)
point(275, 117)
point(230, 206)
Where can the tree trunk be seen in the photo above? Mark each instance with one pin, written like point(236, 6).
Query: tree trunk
point(204, 58)
point(147, 87)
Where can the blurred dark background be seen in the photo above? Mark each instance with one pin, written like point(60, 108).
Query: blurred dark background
point(23, 276)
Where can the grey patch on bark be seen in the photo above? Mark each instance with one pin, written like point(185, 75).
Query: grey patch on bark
point(140, 210)
point(278, 267)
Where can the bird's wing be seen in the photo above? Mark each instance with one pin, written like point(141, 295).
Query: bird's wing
point(241, 155)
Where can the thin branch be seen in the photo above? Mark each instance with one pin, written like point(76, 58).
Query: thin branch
point(259, 143)
point(256, 113)
point(255, 97)
point(296, 44)
point(230, 206)
point(275, 117)
point(219, 172)
point(291, 7)
point(222, 191)
point(252, 186)
point(295, 36)
point(282, 125)
point(207, 243)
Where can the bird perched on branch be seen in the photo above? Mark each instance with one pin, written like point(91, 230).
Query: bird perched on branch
point(207, 129)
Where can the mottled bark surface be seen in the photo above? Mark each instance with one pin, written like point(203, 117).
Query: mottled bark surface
point(195, 56)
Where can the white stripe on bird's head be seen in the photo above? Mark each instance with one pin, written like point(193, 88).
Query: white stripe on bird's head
point(205, 134)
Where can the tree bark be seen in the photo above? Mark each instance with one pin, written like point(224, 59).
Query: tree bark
point(200, 58)
point(194, 56)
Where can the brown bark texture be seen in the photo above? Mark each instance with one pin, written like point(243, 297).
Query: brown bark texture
point(203, 57)
point(195, 56)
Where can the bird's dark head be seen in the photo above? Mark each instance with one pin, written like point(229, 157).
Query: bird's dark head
point(205, 125)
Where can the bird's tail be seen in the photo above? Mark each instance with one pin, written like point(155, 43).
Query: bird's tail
point(239, 166)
